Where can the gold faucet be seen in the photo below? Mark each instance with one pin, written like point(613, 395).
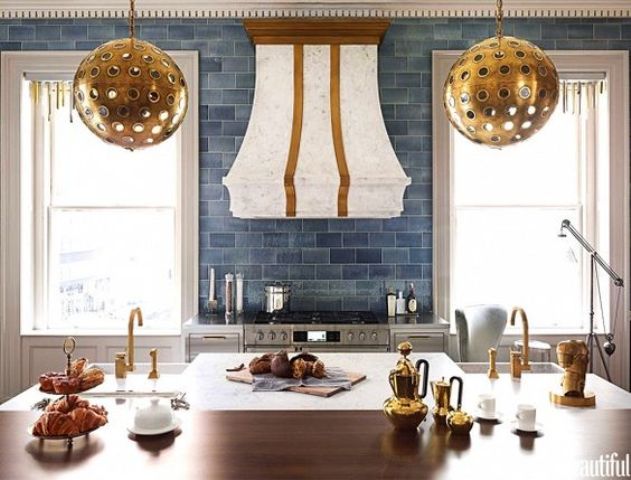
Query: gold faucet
point(525, 365)
point(133, 314)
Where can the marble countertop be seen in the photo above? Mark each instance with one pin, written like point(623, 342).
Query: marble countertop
point(207, 388)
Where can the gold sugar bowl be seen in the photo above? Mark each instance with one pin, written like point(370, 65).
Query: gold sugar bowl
point(405, 409)
point(458, 421)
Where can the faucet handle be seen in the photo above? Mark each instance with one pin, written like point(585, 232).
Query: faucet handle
point(154, 374)
point(492, 373)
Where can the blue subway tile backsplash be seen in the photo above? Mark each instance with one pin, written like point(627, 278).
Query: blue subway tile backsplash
point(334, 263)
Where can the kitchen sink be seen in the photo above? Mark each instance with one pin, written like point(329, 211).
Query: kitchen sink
point(504, 367)
point(145, 368)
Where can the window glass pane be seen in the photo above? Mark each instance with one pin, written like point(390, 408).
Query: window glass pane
point(87, 172)
point(105, 262)
point(540, 171)
point(513, 256)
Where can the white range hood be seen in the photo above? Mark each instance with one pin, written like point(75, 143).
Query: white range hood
point(316, 145)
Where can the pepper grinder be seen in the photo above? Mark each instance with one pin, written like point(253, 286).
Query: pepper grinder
point(492, 373)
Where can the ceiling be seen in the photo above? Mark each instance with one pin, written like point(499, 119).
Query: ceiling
point(347, 8)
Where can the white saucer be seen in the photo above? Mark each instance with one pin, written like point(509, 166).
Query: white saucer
point(143, 431)
point(483, 416)
point(537, 428)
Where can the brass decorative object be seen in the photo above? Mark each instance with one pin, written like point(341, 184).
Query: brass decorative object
point(502, 90)
point(441, 390)
point(459, 421)
point(129, 92)
point(154, 374)
point(515, 364)
point(492, 372)
point(573, 356)
point(405, 409)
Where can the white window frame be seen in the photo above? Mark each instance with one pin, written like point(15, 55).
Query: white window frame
point(14, 66)
point(616, 66)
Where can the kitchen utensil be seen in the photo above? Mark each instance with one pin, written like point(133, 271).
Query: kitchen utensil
point(526, 417)
point(229, 300)
point(239, 294)
point(405, 408)
point(441, 390)
point(277, 298)
point(458, 421)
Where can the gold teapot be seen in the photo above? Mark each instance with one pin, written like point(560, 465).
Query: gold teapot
point(441, 390)
point(458, 421)
point(405, 408)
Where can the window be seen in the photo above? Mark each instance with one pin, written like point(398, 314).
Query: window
point(508, 207)
point(498, 212)
point(101, 229)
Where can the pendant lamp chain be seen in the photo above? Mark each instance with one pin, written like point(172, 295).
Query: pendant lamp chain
point(132, 18)
point(499, 18)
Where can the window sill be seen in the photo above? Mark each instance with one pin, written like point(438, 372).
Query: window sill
point(138, 332)
point(546, 333)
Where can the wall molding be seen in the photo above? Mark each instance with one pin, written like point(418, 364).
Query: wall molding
point(44, 9)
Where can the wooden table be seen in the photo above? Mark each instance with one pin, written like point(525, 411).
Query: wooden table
point(315, 444)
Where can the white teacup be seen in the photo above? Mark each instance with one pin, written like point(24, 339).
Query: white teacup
point(526, 417)
point(486, 405)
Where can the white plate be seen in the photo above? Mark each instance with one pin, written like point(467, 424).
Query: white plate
point(496, 416)
point(143, 431)
point(537, 428)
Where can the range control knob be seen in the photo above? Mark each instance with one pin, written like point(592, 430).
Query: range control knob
point(362, 336)
point(283, 336)
point(374, 336)
point(271, 335)
point(350, 336)
point(260, 336)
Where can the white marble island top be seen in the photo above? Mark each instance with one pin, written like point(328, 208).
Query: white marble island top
point(208, 388)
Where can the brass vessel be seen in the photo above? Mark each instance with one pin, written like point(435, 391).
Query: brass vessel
point(459, 421)
point(405, 409)
point(442, 393)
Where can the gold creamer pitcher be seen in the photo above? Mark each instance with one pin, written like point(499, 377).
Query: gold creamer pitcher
point(405, 408)
point(441, 390)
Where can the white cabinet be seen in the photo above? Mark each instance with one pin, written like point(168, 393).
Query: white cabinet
point(215, 342)
point(421, 341)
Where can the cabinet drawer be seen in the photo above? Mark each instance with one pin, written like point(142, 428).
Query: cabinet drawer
point(212, 343)
point(421, 342)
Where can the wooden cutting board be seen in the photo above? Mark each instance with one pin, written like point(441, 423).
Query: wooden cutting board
point(244, 376)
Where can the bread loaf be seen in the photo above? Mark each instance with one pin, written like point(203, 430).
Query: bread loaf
point(299, 368)
point(260, 365)
point(318, 370)
point(91, 377)
point(281, 366)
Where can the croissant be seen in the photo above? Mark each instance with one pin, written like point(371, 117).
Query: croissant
point(77, 366)
point(87, 419)
point(55, 423)
point(67, 403)
point(91, 377)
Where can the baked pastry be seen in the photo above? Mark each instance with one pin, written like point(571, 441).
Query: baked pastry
point(77, 366)
point(54, 424)
point(66, 385)
point(91, 377)
point(299, 368)
point(260, 365)
point(318, 370)
point(46, 380)
point(69, 416)
point(281, 366)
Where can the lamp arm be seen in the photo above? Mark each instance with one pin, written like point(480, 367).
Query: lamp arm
point(617, 279)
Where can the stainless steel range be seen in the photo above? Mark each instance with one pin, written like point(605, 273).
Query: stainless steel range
point(317, 332)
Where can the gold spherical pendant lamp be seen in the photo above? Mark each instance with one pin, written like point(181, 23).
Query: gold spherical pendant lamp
point(502, 90)
point(130, 93)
